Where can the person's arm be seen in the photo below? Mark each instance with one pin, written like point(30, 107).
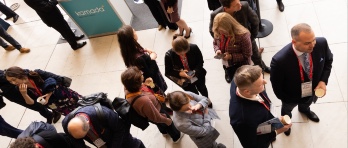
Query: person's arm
point(194, 130)
point(169, 65)
point(199, 60)
point(45, 75)
point(254, 22)
point(199, 98)
point(245, 45)
point(277, 78)
point(248, 137)
point(150, 111)
point(23, 89)
point(146, 65)
point(46, 6)
point(325, 74)
point(212, 16)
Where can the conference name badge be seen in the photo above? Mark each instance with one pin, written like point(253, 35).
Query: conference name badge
point(306, 89)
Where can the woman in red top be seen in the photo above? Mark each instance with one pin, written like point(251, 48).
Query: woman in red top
point(232, 43)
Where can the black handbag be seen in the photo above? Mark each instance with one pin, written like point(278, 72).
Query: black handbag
point(127, 112)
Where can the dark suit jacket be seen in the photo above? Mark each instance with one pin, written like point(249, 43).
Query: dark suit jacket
point(47, 10)
point(285, 72)
point(246, 17)
point(173, 64)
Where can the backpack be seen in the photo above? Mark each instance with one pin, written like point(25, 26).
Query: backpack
point(127, 112)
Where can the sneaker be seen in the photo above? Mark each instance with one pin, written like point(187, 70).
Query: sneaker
point(24, 50)
point(181, 135)
point(9, 48)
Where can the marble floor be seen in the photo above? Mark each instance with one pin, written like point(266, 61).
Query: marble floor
point(97, 67)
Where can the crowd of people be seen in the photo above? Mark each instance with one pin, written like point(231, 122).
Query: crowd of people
point(297, 71)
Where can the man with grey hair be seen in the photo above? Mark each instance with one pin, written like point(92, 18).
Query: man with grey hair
point(113, 132)
point(300, 69)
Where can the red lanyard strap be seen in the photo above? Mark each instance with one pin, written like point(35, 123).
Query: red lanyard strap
point(310, 65)
point(184, 62)
point(35, 87)
point(263, 102)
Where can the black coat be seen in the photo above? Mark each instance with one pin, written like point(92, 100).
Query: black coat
point(47, 10)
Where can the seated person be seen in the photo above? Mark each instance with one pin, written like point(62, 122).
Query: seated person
point(112, 133)
point(192, 117)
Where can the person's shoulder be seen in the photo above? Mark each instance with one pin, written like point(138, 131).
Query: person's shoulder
point(217, 11)
point(169, 52)
point(321, 40)
point(283, 52)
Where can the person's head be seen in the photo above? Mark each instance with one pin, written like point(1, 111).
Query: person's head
point(180, 45)
point(132, 79)
point(179, 101)
point(249, 79)
point(127, 38)
point(225, 24)
point(16, 75)
point(26, 142)
point(78, 127)
point(303, 37)
point(231, 6)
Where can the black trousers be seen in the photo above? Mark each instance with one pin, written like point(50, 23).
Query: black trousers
point(158, 14)
point(6, 10)
point(198, 86)
point(64, 29)
point(36, 106)
point(170, 130)
point(302, 107)
point(256, 57)
point(8, 130)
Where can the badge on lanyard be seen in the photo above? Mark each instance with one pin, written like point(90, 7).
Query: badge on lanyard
point(306, 89)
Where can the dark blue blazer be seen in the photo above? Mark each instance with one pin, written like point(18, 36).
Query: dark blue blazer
point(285, 72)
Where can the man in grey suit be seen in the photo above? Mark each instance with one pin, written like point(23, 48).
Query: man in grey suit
point(247, 17)
point(299, 69)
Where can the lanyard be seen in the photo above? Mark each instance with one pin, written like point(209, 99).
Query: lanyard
point(310, 69)
point(223, 47)
point(39, 145)
point(184, 62)
point(90, 123)
point(262, 102)
point(35, 87)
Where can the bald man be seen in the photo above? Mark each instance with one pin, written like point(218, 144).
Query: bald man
point(111, 133)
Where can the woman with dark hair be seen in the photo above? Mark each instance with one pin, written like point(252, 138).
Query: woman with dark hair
point(135, 55)
point(184, 66)
point(47, 89)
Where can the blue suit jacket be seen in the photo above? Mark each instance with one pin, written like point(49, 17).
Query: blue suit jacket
point(285, 72)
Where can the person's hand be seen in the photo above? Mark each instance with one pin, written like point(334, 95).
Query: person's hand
point(284, 129)
point(153, 56)
point(47, 97)
point(196, 107)
point(169, 122)
point(321, 85)
point(23, 89)
point(227, 57)
point(218, 52)
point(183, 73)
point(170, 10)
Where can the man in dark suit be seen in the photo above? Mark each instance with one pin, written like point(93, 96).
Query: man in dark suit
point(299, 69)
point(8, 12)
point(247, 17)
point(51, 16)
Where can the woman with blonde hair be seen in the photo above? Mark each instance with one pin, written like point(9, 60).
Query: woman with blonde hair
point(232, 43)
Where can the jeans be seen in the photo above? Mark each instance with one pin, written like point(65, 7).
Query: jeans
point(8, 38)
point(8, 130)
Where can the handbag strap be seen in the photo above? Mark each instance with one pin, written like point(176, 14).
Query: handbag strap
point(135, 99)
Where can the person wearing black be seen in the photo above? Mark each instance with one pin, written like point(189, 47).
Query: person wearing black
point(250, 106)
point(7, 129)
point(280, 5)
point(8, 12)
point(51, 16)
point(12, 41)
point(111, 133)
point(158, 13)
point(12, 93)
point(181, 59)
point(247, 17)
point(42, 135)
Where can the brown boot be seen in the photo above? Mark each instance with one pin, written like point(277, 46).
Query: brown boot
point(9, 48)
point(24, 50)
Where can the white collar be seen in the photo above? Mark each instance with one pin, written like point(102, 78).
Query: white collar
point(298, 53)
point(257, 98)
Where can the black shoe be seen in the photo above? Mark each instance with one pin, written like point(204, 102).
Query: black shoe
point(312, 116)
point(287, 133)
point(274, 139)
point(49, 119)
point(227, 78)
point(79, 37)
point(2, 104)
point(56, 116)
point(79, 45)
point(8, 17)
point(280, 6)
point(267, 69)
point(15, 18)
